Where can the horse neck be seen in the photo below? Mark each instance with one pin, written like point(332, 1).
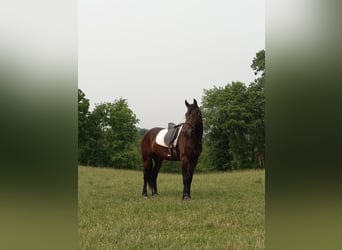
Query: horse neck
point(198, 130)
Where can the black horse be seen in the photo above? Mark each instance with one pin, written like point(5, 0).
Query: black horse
point(187, 150)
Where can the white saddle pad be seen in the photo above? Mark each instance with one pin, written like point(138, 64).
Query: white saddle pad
point(161, 135)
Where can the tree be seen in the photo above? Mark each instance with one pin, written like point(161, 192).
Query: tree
point(234, 121)
point(258, 63)
point(257, 102)
point(83, 115)
point(226, 124)
point(107, 136)
point(215, 134)
point(113, 135)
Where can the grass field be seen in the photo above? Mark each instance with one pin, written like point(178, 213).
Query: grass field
point(227, 211)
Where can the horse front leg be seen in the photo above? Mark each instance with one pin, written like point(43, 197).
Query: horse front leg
point(187, 172)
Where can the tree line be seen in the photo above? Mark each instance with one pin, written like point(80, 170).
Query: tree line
point(234, 128)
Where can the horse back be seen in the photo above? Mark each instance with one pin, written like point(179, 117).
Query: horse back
point(149, 137)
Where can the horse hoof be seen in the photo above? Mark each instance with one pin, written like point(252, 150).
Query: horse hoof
point(155, 195)
point(186, 198)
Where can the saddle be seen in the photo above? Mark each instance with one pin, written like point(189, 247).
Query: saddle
point(171, 135)
point(172, 132)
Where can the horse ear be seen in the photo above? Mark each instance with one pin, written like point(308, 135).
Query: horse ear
point(187, 104)
point(195, 102)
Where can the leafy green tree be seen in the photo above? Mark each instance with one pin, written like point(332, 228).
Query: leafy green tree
point(216, 135)
point(99, 153)
point(122, 135)
point(258, 63)
point(117, 124)
point(226, 124)
point(83, 115)
point(114, 134)
point(257, 106)
point(234, 121)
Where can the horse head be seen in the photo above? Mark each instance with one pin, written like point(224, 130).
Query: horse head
point(193, 119)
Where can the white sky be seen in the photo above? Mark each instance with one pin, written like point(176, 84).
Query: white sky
point(158, 53)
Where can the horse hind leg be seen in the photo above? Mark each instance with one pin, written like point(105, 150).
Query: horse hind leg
point(157, 164)
point(147, 176)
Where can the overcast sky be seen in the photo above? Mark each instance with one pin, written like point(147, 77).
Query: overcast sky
point(158, 53)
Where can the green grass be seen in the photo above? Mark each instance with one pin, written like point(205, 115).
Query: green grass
point(227, 211)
